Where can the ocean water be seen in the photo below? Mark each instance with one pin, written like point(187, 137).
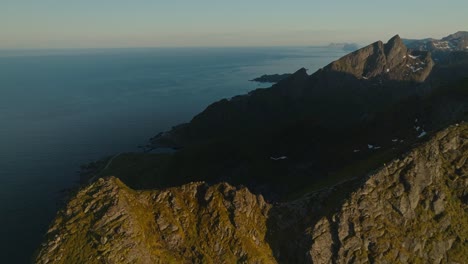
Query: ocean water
point(63, 108)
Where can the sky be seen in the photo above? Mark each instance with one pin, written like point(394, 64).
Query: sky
point(31, 24)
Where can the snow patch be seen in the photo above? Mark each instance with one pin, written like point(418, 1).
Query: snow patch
point(413, 57)
point(369, 146)
point(356, 150)
point(279, 158)
point(413, 68)
point(395, 140)
point(423, 133)
point(442, 45)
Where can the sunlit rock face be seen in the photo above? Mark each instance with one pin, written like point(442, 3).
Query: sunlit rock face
point(392, 61)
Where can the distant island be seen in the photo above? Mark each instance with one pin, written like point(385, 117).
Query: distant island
point(271, 78)
point(345, 46)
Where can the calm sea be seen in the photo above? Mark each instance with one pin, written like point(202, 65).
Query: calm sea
point(63, 108)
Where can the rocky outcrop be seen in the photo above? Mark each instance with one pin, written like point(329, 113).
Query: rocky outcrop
point(412, 210)
point(392, 61)
point(107, 222)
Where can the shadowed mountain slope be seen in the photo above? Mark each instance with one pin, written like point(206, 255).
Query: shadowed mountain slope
point(344, 92)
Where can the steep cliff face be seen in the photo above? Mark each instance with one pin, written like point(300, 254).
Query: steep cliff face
point(412, 210)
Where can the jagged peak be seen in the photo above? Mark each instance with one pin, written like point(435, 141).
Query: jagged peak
point(389, 61)
point(395, 38)
point(298, 77)
point(395, 50)
point(302, 72)
point(395, 41)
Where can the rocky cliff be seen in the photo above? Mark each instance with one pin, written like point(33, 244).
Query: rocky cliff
point(412, 210)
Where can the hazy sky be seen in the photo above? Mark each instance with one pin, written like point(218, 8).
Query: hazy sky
point(148, 23)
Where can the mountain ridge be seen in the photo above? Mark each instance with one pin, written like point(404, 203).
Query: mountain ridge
point(108, 222)
point(384, 59)
point(300, 90)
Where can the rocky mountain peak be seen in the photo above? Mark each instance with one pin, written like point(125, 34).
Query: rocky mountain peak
point(392, 61)
point(394, 42)
point(395, 51)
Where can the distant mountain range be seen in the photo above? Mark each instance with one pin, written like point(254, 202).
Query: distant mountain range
point(455, 42)
point(441, 48)
point(363, 161)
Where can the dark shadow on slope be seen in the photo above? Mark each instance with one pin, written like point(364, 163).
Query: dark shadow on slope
point(335, 99)
point(290, 225)
point(317, 152)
